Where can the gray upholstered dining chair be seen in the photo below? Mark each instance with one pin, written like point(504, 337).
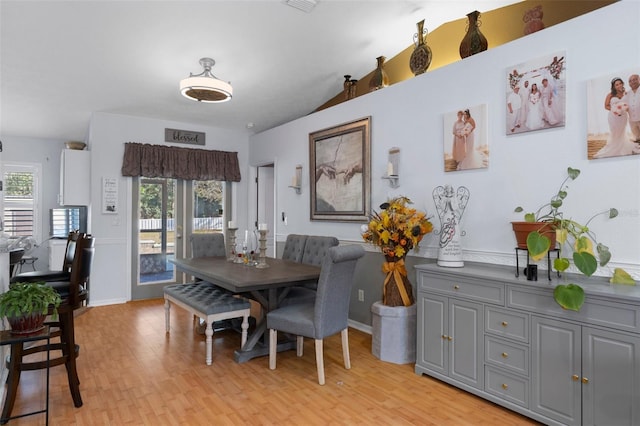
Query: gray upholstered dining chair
point(294, 247)
point(326, 316)
point(315, 249)
point(310, 250)
point(209, 244)
point(205, 245)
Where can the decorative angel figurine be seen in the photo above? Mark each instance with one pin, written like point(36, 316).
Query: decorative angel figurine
point(450, 206)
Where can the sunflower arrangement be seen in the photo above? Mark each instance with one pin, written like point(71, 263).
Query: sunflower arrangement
point(396, 229)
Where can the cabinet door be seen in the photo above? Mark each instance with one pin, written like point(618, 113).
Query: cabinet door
point(466, 349)
point(611, 378)
point(432, 338)
point(556, 370)
point(75, 178)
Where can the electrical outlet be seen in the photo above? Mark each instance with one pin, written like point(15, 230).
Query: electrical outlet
point(360, 295)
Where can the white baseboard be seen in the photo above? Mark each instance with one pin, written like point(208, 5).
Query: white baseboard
point(360, 326)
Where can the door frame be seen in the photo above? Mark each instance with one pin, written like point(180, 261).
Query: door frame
point(270, 190)
point(154, 290)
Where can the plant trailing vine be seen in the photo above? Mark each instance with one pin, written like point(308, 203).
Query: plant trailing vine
point(574, 238)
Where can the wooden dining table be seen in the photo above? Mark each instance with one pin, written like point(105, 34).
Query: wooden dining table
point(268, 286)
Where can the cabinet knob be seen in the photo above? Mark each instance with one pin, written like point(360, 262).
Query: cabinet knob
point(505, 355)
point(456, 287)
point(444, 337)
point(575, 377)
point(504, 323)
point(449, 338)
point(505, 386)
point(585, 380)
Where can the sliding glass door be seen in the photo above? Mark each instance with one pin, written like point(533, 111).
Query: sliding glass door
point(167, 212)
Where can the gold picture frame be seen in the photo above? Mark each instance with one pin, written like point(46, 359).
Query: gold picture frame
point(340, 172)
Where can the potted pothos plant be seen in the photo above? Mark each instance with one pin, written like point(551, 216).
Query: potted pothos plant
point(26, 306)
point(574, 239)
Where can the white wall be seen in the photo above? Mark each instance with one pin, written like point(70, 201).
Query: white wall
point(110, 276)
point(46, 153)
point(524, 169)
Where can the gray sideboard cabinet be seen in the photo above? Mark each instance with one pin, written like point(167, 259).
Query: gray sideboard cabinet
point(506, 340)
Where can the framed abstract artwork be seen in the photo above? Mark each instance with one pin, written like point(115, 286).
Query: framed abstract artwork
point(340, 172)
point(536, 94)
point(466, 144)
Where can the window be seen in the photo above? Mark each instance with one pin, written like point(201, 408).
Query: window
point(207, 206)
point(21, 199)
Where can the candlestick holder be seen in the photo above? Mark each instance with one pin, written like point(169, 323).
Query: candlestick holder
point(262, 263)
point(232, 245)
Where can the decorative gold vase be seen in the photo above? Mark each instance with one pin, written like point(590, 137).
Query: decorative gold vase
point(353, 88)
point(474, 41)
point(380, 78)
point(421, 56)
point(349, 87)
point(346, 85)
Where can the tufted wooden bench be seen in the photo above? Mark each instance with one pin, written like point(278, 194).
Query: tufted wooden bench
point(209, 302)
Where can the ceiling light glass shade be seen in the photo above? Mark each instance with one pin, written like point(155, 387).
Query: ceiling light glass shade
point(205, 87)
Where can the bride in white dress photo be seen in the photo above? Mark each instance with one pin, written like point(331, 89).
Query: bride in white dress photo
point(618, 142)
point(474, 159)
point(534, 108)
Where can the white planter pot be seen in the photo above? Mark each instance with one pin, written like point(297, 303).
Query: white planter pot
point(394, 333)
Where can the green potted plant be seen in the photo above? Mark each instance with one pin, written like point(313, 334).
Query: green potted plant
point(26, 305)
point(572, 237)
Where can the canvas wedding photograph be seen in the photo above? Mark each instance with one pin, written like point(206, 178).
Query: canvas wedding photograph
point(613, 115)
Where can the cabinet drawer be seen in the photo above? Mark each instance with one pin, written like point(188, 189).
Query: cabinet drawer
point(619, 316)
point(514, 325)
point(476, 290)
point(506, 386)
point(507, 355)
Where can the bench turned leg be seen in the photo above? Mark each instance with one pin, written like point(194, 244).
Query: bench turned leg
point(245, 327)
point(273, 342)
point(209, 341)
point(167, 309)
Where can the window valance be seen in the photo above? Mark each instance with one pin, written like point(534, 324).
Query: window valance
point(179, 163)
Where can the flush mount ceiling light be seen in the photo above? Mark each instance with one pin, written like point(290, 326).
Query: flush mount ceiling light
point(303, 5)
point(205, 87)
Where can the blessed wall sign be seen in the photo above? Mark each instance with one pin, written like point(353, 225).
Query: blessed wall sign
point(184, 136)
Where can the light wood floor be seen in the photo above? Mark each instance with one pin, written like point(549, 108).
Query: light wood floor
point(132, 373)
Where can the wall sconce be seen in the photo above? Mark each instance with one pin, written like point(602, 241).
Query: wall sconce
point(393, 167)
point(296, 182)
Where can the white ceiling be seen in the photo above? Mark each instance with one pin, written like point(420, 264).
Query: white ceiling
point(62, 60)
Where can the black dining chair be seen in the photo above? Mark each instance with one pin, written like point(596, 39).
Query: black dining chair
point(73, 293)
point(327, 315)
point(14, 259)
point(62, 274)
